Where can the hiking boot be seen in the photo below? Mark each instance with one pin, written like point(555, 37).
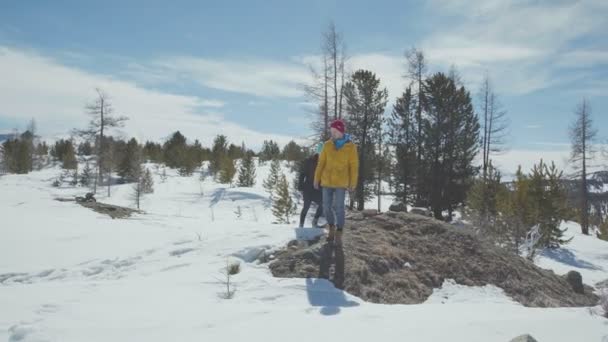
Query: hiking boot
point(315, 223)
point(332, 233)
point(338, 238)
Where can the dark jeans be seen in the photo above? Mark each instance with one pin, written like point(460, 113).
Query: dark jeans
point(307, 201)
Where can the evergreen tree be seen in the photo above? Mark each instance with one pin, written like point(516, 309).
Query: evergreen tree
point(227, 170)
point(85, 149)
point(130, 161)
point(174, 150)
point(147, 182)
point(69, 157)
point(402, 139)
point(143, 185)
point(85, 175)
point(153, 152)
point(283, 206)
point(451, 133)
point(271, 182)
point(218, 152)
point(482, 203)
point(17, 154)
point(247, 171)
point(365, 104)
point(235, 152)
point(75, 176)
point(548, 202)
point(137, 191)
point(270, 151)
point(293, 152)
point(516, 211)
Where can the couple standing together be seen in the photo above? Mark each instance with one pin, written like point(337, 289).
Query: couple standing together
point(325, 178)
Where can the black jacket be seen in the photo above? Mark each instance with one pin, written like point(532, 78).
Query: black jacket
point(306, 178)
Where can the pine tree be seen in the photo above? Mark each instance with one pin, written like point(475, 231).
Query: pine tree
point(143, 184)
point(283, 206)
point(17, 154)
point(548, 201)
point(227, 170)
point(516, 215)
point(402, 138)
point(137, 192)
point(482, 203)
point(69, 161)
point(235, 152)
point(365, 104)
point(451, 140)
point(130, 161)
point(147, 182)
point(272, 181)
point(218, 153)
point(247, 171)
point(85, 175)
point(293, 152)
point(75, 177)
point(270, 151)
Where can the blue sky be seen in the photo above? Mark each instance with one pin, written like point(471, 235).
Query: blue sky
point(235, 67)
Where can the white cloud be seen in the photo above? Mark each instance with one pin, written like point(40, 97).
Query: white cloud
point(265, 78)
point(33, 86)
point(523, 44)
point(389, 68)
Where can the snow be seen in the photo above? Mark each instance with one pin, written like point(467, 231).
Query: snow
point(70, 274)
point(585, 253)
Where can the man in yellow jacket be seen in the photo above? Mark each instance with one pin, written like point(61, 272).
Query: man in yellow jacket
point(337, 171)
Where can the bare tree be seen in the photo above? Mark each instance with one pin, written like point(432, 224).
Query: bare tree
point(102, 119)
point(416, 73)
point(494, 124)
point(318, 93)
point(582, 136)
point(334, 47)
point(326, 88)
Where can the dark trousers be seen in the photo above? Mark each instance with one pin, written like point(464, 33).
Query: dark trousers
point(307, 201)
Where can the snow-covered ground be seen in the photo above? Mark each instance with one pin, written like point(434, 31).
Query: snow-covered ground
point(70, 274)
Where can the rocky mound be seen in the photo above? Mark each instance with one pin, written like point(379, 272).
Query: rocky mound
point(400, 258)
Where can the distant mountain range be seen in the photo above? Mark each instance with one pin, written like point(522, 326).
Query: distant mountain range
point(6, 136)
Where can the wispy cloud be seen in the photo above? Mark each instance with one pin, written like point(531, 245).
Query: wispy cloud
point(524, 44)
point(264, 78)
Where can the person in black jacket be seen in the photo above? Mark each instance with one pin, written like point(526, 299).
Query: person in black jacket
point(306, 185)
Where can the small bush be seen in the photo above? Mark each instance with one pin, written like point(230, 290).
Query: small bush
point(233, 268)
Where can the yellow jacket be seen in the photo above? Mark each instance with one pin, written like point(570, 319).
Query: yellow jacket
point(338, 168)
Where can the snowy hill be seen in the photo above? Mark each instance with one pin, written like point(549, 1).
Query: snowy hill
point(70, 274)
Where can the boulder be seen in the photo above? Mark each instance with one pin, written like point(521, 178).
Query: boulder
point(575, 279)
point(398, 207)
